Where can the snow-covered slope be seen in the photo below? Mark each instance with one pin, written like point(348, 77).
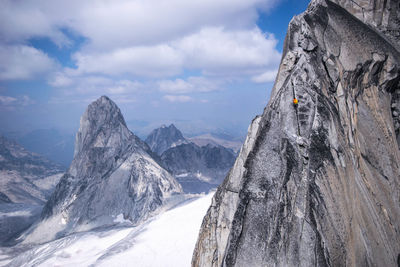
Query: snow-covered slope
point(166, 240)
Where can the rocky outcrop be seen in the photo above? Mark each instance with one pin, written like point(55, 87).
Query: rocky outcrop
point(25, 177)
point(163, 138)
point(112, 178)
point(316, 184)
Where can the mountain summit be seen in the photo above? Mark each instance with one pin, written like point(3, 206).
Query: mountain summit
point(317, 183)
point(112, 178)
point(165, 137)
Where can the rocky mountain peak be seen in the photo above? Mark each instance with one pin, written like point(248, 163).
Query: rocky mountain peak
point(165, 137)
point(103, 120)
point(113, 174)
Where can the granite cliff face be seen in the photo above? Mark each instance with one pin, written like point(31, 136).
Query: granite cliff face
point(112, 178)
point(318, 183)
point(382, 15)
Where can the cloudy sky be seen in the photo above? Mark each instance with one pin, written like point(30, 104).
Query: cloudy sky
point(206, 65)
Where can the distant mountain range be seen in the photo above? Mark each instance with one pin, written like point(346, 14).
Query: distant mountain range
point(198, 168)
point(163, 138)
point(26, 177)
point(58, 146)
point(50, 143)
point(26, 182)
point(212, 139)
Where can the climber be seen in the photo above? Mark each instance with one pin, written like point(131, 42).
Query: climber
point(295, 101)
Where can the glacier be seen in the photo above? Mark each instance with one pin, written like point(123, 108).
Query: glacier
point(167, 239)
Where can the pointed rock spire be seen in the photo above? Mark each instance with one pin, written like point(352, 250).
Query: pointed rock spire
point(112, 174)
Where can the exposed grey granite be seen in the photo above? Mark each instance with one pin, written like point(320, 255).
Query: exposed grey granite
point(316, 184)
point(112, 178)
point(383, 15)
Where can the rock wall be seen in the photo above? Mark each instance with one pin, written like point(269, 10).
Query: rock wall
point(383, 15)
point(316, 184)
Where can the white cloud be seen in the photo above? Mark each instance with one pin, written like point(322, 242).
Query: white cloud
point(192, 84)
point(123, 87)
point(23, 62)
point(87, 84)
point(154, 21)
point(7, 100)
point(268, 76)
point(22, 20)
point(85, 88)
point(214, 51)
point(11, 103)
point(122, 23)
point(178, 98)
point(60, 79)
point(150, 38)
point(25, 100)
point(159, 60)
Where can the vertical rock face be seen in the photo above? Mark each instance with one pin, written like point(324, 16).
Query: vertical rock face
point(164, 138)
point(111, 176)
point(383, 15)
point(318, 183)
